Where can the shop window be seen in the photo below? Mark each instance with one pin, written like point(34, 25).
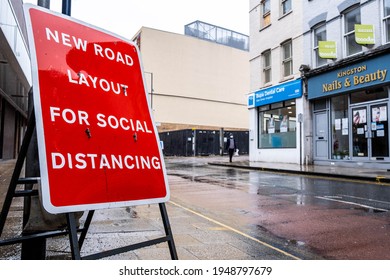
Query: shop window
point(320, 105)
point(351, 17)
point(285, 6)
point(287, 63)
point(267, 67)
point(265, 13)
point(319, 35)
point(277, 125)
point(340, 127)
point(368, 95)
point(386, 19)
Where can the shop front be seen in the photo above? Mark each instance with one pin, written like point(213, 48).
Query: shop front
point(350, 113)
point(275, 123)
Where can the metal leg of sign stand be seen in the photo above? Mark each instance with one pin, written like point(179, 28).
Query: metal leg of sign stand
point(75, 245)
point(72, 228)
point(12, 193)
point(15, 179)
point(86, 227)
point(167, 238)
point(168, 231)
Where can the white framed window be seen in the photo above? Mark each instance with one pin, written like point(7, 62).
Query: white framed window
point(286, 6)
point(287, 58)
point(351, 17)
point(267, 77)
point(386, 20)
point(277, 125)
point(265, 13)
point(319, 34)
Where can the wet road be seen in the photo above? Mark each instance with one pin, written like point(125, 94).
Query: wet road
point(336, 219)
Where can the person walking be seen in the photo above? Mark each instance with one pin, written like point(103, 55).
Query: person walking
point(231, 147)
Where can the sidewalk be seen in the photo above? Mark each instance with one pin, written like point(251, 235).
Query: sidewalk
point(334, 170)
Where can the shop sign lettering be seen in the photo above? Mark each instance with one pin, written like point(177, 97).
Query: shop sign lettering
point(367, 73)
point(281, 92)
point(354, 77)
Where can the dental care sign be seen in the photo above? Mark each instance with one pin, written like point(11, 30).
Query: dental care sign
point(98, 146)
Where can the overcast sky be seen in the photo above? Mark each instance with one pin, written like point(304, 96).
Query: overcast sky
point(126, 17)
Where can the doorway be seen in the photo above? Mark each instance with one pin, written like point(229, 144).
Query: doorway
point(321, 150)
point(370, 137)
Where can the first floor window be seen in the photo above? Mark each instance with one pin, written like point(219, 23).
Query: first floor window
point(319, 35)
point(351, 18)
point(265, 13)
point(267, 67)
point(386, 18)
point(277, 125)
point(286, 6)
point(287, 62)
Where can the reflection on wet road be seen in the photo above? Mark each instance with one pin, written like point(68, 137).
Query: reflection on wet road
point(301, 189)
point(299, 213)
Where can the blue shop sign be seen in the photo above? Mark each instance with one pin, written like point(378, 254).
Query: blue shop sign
point(372, 72)
point(281, 92)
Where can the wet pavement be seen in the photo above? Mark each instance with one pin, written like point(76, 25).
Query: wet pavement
point(201, 234)
point(196, 236)
point(331, 169)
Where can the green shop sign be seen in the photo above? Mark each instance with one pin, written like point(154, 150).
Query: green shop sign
point(327, 49)
point(364, 34)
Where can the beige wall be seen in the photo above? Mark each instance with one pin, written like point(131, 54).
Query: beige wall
point(195, 82)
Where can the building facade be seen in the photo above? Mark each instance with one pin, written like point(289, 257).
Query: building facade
point(276, 104)
point(194, 82)
point(15, 77)
point(340, 54)
point(347, 81)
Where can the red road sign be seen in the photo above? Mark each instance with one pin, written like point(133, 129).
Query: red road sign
point(98, 146)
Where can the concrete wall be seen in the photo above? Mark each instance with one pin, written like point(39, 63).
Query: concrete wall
point(195, 82)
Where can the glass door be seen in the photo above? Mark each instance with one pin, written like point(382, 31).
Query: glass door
point(359, 132)
point(379, 131)
point(370, 135)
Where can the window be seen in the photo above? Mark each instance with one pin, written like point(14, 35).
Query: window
point(386, 19)
point(319, 35)
point(277, 125)
point(368, 95)
point(287, 63)
point(265, 13)
point(286, 6)
point(340, 131)
point(267, 67)
point(351, 18)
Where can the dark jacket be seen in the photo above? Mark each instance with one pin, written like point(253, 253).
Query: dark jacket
point(228, 144)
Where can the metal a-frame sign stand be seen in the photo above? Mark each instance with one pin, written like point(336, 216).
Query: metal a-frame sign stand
point(75, 242)
point(76, 235)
